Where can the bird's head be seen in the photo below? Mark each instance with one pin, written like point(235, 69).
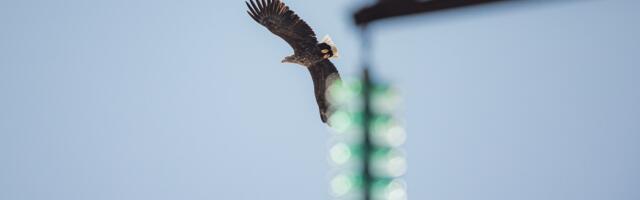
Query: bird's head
point(325, 50)
point(328, 49)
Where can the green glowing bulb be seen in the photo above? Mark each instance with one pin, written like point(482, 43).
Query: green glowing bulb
point(388, 162)
point(340, 121)
point(396, 190)
point(341, 185)
point(347, 93)
point(385, 99)
point(340, 153)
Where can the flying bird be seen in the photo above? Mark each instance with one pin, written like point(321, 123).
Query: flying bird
point(307, 51)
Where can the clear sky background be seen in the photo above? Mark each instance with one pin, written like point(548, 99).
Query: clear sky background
point(131, 100)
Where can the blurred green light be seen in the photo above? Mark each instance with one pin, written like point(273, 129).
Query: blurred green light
point(387, 132)
point(345, 94)
point(356, 86)
point(340, 121)
point(337, 93)
point(396, 136)
point(341, 185)
point(396, 190)
point(396, 166)
point(340, 153)
point(389, 189)
point(388, 162)
point(385, 99)
point(390, 134)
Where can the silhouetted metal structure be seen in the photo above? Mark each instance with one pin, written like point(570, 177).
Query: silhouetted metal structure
point(366, 143)
point(395, 8)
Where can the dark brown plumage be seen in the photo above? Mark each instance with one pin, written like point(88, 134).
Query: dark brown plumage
point(281, 21)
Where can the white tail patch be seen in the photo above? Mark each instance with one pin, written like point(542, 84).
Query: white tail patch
point(327, 40)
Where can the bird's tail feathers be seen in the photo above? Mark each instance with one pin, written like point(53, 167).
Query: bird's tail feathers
point(327, 40)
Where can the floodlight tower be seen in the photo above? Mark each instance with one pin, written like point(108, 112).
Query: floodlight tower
point(366, 149)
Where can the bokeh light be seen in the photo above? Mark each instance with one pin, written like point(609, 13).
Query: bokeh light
point(388, 163)
point(396, 165)
point(345, 94)
point(341, 185)
point(385, 99)
point(396, 190)
point(389, 189)
point(340, 153)
point(388, 132)
point(395, 136)
point(340, 121)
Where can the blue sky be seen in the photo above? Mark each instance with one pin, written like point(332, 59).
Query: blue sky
point(188, 100)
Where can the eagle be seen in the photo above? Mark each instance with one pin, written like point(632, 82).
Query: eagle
point(307, 51)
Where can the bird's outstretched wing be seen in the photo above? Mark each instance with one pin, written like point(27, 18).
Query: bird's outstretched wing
point(323, 74)
point(280, 20)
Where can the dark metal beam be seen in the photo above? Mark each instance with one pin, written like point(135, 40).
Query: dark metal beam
point(395, 8)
